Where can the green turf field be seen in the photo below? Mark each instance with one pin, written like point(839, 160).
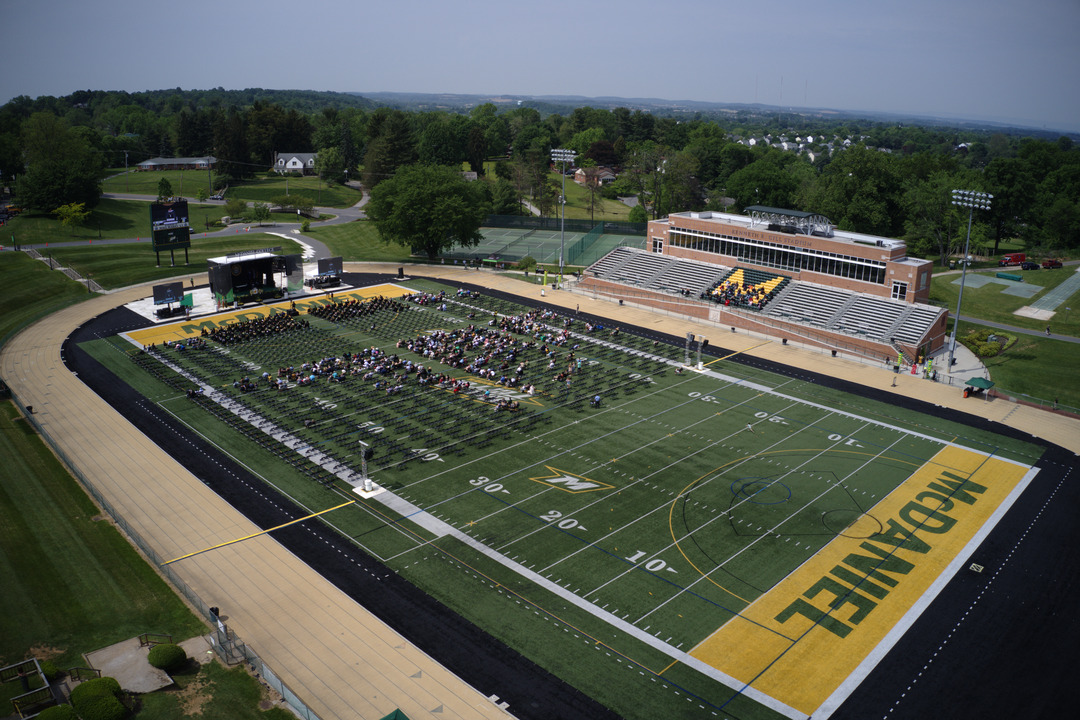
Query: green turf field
point(606, 543)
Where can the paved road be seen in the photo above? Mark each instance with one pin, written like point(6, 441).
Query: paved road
point(337, 217)
point(1018, 330)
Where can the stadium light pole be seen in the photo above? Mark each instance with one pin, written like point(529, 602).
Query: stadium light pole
point(563, 156)
point(972, 200)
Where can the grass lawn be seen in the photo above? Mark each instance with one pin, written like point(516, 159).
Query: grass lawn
point(32, 291)
point(577, 203)
point(1042, 368)
point(114, 266)
point(185, 183)
point(990, 303)
point(211, 691)
point(72, 583)
point(360, 241)
point(116, 219)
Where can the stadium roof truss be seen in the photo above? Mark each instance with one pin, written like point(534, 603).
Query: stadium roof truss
point(793, 221)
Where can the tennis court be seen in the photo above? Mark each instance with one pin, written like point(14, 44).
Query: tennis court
point(512, 244)
point(724, 538)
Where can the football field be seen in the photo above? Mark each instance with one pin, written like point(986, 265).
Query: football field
point(701, 542)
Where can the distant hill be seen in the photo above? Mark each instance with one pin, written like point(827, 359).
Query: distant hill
point(748, 112)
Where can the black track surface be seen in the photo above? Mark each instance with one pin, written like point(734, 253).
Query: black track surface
point(1000, 644)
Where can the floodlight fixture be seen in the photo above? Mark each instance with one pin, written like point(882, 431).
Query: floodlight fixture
point(563, 156)
point(973, 200)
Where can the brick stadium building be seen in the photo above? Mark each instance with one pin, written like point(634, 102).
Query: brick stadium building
point(783, 273)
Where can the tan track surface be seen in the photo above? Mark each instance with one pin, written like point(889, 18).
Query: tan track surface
point(340, 660)
point(326, 648)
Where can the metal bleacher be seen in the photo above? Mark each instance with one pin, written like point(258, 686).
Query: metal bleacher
point(827, 308)
point(809, 304)
point(852, 313)
point(608, 266)
point(688, 277)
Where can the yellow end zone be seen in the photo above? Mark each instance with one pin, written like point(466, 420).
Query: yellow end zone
point(193, 328)
point(798, 642)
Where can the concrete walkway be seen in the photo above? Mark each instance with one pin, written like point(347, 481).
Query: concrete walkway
point(128, 663)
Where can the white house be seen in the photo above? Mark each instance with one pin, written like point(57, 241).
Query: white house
point(298, 163)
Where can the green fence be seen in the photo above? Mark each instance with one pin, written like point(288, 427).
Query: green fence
point(613, 227)
point(577, 249)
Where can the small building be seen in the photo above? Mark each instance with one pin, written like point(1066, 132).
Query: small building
point(178, 163)
point(594, 176)
point(296, 163)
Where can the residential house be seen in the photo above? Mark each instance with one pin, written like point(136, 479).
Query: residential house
point(296, 163)
point(178, 163)
point(594, 175)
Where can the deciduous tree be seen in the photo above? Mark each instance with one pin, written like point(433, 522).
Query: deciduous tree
point(261, 212)
point(164, 190)
point(61, 167)
point(428, 208)
point(390, 146)
point(72, 215)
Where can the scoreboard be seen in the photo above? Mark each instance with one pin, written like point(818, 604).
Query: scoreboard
point(169, 225)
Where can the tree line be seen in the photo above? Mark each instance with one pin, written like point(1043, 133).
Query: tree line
point(866, 176)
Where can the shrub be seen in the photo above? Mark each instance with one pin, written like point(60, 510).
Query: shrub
point(48, 667)
point(305, 226)
point(58, 712)
point(98, 699)
point(167, 657)
point(96, 687)
point(987, 343)
point(527, 263)
point(100, 707)
point(236, 208)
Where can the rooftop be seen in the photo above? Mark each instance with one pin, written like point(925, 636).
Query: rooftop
point(792, 222)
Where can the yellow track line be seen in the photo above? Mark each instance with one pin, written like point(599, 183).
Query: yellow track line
point(263, 532)
point(737, 352)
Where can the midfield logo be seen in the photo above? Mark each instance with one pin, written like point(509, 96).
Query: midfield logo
point(569, 482)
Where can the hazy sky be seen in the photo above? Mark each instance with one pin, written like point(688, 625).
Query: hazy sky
point(1011, 60)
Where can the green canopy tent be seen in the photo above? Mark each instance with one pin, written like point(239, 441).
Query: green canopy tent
point(976, 385)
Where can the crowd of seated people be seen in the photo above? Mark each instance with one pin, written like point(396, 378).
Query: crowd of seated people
point(254, 329)
point(495, 354)
point(740, 294)
point(488, 353)
point(351, 308)
point(179, 345)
